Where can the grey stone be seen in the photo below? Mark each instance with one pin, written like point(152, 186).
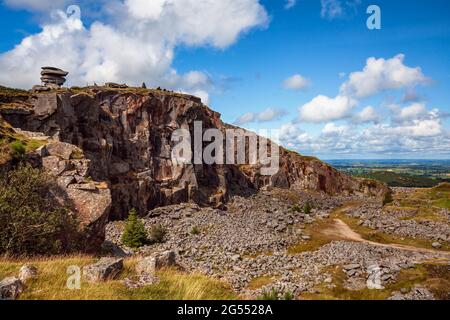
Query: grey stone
point(27, 272)
point(10, 288)
point(104, 270)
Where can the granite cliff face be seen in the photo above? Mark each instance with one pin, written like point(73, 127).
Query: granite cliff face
point(123, 140)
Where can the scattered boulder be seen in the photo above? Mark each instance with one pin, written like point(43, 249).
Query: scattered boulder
point(27, 272)
point(149, 265)
point(104, 270)
point(10, 288)
point(436, 245)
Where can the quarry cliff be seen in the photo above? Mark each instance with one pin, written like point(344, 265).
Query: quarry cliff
point(111, 149)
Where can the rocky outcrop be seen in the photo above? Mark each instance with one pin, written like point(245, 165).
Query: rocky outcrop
point(89, 199)
point(105, 269)
point(126, 136)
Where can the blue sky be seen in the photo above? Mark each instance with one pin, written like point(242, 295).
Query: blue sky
point(240, 55)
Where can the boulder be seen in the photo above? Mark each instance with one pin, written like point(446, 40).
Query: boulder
point(149, 265)
point(436, 245)
point(92, 208)
point(27, 272)
point(104, 270)
point(10, 288)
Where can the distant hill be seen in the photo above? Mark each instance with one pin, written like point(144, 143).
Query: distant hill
point(393, 179)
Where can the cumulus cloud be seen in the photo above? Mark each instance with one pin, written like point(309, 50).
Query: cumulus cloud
point(412, 112)
point(137, 44)
point(380, 74)
point(332, 129)
point(412, 130)
point(323, 108)
point(296, 82)
point(368, 114)
point(269, 114)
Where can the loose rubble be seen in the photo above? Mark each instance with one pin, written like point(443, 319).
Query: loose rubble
point(251, 239)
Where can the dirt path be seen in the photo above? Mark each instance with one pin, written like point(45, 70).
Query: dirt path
point(341, 230)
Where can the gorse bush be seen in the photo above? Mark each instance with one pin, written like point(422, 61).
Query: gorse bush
point(32, 220)
point(157, 233)
point(134, 235)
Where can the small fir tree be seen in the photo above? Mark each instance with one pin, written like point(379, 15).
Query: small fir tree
point(134, 235)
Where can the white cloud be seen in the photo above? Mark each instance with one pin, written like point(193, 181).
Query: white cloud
point(331, 129)
point(380, 74)
point(368, 114)
point(136, 45)
point(269, 114)
point(411, 112)
point(323, 108)
point(296, 82)
point(337, 8)
point(290, 4)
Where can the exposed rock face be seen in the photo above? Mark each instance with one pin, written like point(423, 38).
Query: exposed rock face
point(89, 199)
point(104, 270)
point(126, 135)
point(10, 288)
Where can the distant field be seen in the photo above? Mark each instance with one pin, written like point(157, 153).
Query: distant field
point(398, 173)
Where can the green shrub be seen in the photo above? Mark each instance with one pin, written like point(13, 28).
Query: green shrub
point(288, 296)
point(18, 149)
point(157, 233)
point(195, 230)
point(134, 235)
point(307, 208)
point(32, 220)
point(296, 208)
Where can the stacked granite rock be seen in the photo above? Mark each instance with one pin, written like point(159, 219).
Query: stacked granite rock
point(53, 77)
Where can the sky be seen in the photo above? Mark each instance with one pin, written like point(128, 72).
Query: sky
point(311, 69)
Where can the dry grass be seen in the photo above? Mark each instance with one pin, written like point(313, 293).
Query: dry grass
point(318, 237)
point(51, 283)
point(259, 282)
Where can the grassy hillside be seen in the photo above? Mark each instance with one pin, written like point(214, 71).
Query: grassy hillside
point(52, 278)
